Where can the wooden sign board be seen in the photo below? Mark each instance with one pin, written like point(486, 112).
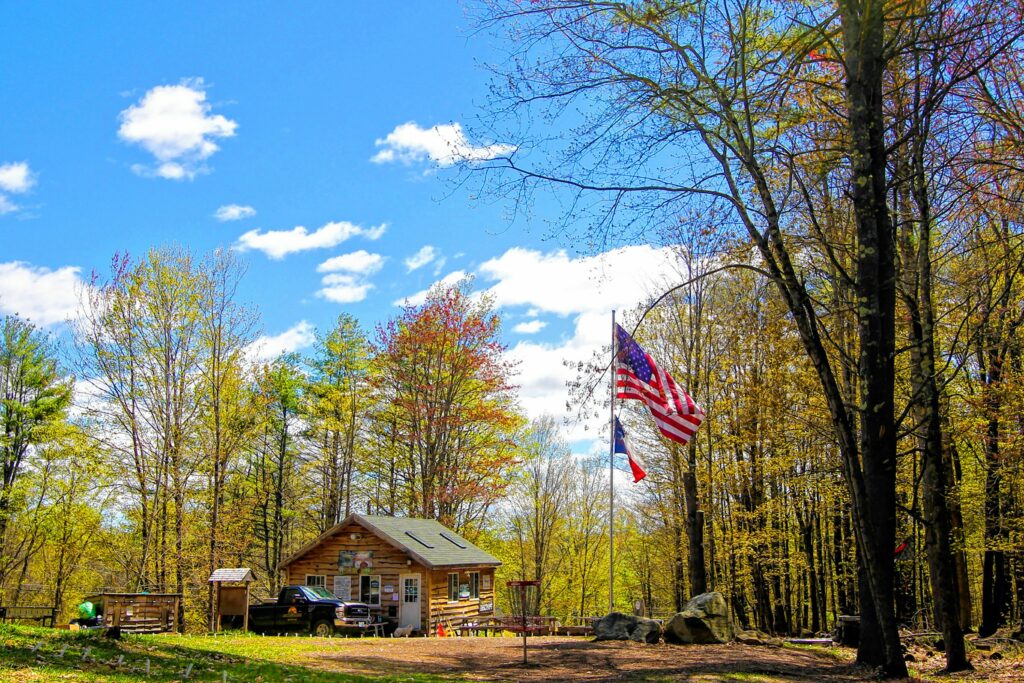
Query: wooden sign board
point(233, 601)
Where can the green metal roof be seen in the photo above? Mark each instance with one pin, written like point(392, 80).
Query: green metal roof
point(429, 541)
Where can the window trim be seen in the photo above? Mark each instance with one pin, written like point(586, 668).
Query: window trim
point(453, 588)
point(322, 584)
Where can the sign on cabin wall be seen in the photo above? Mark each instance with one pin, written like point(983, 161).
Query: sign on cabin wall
point(355, 561)
point(486, 581)
point(486, 606)
point(343, 588)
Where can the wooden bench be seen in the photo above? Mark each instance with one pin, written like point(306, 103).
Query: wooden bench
point(43, 614)
point(577, 626)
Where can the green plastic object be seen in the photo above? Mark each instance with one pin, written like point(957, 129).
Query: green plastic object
point(87, 610)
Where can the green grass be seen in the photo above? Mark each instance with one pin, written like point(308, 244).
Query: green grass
point(834, 652)
point(242, 657)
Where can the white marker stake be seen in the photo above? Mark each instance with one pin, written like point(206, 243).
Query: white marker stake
point(120, 660)
point(188, 671)
point(147, 666)
point(62, 651)
point(224, 676)
point(85, 655)
point(35, 647)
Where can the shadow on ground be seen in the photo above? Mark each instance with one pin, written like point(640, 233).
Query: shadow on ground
point(500, 659)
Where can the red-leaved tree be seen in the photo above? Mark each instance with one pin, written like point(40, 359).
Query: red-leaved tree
point(445, 392)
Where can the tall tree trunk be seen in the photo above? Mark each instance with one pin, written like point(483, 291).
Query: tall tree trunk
point(695, 535)
point(863, 29)
point(957, 523)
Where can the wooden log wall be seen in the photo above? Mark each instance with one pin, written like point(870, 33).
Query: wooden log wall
point(388, 562)
point(463, 608)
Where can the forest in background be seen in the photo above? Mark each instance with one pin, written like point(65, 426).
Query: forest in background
point(182, 453)
point(854, 337)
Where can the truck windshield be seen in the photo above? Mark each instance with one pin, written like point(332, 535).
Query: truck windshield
point(318, 593)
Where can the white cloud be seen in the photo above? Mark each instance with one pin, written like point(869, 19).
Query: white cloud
point(424, 256)
point(234, 212)
point(530, 327)
point(174, 124)
point(44, 296)
point(585, 288)
point(361, 262)
point(297, 337)
point(376, 232)
point(16, 178)
point(343, 289)
point(419, 297)
point(345, 282)
point(279, 243)
point(443, 145)
point(543, 373)
point(555, 283)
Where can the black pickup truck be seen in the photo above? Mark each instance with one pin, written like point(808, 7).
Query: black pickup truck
point(311, 609)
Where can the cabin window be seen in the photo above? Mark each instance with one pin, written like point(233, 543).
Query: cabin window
point(369, 590)
point(453, 587)
point(474, 585)
point(316, 580)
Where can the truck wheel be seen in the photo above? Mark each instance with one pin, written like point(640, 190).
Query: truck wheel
point(323, 629)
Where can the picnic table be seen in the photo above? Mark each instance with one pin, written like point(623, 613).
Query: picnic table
point(475, 626)
point(44, 615)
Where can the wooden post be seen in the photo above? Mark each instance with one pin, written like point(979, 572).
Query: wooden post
point(245, 616)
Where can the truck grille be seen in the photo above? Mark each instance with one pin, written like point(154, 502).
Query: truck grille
point(357, 611)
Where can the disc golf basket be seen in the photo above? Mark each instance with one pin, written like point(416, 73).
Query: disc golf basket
point(523, 601)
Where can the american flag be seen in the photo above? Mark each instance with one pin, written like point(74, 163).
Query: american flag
point(639, 377)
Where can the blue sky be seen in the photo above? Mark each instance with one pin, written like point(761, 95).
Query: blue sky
point(314, 138)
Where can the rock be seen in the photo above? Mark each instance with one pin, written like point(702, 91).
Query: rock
point(704, 620)
point(751, 638)
point(619, 626)
point(646, 631)
point(996, 655)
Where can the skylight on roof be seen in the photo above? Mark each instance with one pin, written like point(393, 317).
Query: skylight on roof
point(418, 539)
point(453, 541)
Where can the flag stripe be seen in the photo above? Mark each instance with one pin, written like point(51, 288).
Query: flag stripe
point(638, 377)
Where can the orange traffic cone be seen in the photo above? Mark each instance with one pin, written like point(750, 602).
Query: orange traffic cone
point(440, 630)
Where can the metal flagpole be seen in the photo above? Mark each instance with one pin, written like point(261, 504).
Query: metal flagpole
point(611, 481)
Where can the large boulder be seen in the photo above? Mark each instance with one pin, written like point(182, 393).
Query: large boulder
point(704, 620)
point(619, 626)
point(646, 631)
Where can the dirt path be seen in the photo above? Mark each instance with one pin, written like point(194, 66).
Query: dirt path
point(563, 659)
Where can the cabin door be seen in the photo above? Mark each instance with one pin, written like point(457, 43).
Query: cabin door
point(409, 611)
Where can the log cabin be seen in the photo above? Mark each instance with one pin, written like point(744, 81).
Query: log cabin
point(412, 572)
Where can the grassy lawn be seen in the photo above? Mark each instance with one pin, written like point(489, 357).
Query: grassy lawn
point(42, 654)
point(240, 658)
